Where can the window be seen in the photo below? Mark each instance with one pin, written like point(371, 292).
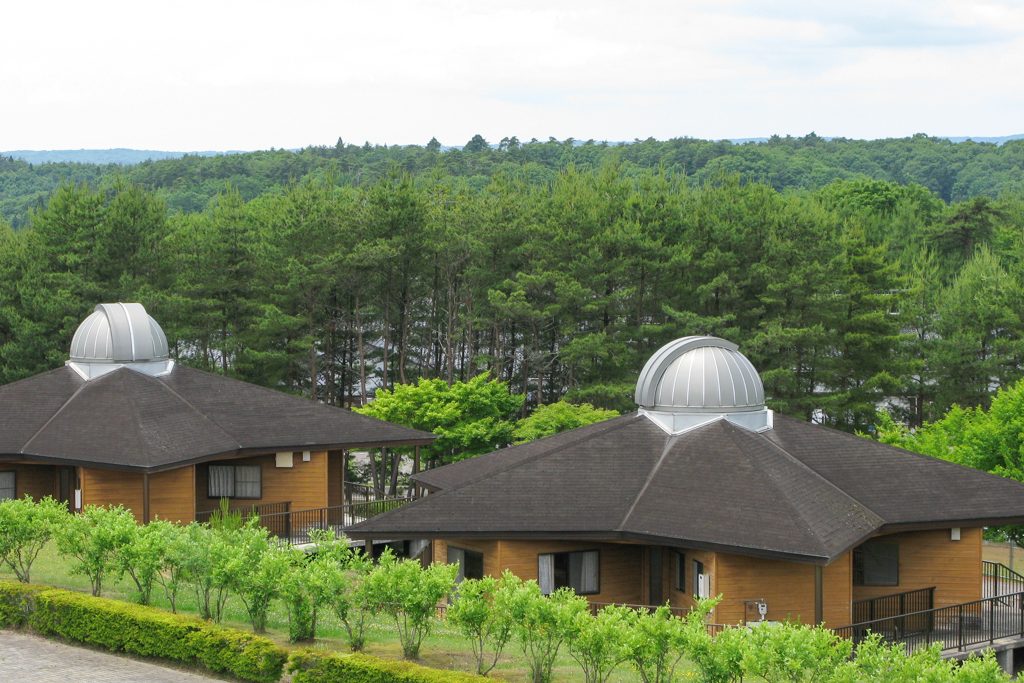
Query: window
point(579, 571)
point(7, 486)
point(681, 571)
point(876, 563)
point(234, 481)
point(471, 563)
point(698, 574)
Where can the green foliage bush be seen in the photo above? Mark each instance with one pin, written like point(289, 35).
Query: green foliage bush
point(480, 612)
point(409, 594)
point(318, 667)
point(25, 527)
point(94, 538)
point(16, 602)
point(139, 630)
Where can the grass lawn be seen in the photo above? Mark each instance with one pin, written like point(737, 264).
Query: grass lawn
point(444, 648)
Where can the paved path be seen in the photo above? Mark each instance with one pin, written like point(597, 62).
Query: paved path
point(26, 658)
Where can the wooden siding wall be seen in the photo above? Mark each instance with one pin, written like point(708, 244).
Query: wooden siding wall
point(930, 558)
point(172, 495)
point(621, 569)
point(304, 484)
point(112, 487)
point(786, 587)
point(37, 481)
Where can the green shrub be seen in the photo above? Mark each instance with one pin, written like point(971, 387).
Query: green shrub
point(309, 666)
point(480, 612)
point(409, 594)
point(93, 540)
point(139, 630)
point(542, 623)
point(245, 655)
point(25, 527)
point(16, 602)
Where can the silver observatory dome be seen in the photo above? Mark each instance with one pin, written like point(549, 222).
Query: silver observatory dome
point(116, 336)
point(695, 380)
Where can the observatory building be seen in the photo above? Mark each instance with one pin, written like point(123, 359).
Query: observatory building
point(122, 423)
point(705, 491)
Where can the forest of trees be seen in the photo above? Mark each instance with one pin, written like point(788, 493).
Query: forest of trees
point(847, 292)
point(952, 171)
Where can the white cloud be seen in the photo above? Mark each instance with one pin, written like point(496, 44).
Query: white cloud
point(243, 75)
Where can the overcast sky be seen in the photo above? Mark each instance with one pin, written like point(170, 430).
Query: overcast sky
point(221, 74)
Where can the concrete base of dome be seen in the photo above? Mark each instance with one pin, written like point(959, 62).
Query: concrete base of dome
point(679, 422)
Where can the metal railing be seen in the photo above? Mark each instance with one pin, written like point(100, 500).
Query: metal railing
point(894, 604)
point(955, 627)
point(356, 492)
point(295, 526)
point(998, 579)
point(249, 510)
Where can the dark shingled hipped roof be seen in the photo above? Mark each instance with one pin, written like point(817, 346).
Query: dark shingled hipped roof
point(797, 491)
point(130, 420)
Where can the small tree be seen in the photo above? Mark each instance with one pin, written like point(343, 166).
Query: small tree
point(176, 549)
point(656, 644)
point(469, 418)
point(558, 417)
point(480, 612)
point(542, 624)
point(258, 576)
point(342, 573)
point(877, 660)
point(210, 565)
point(718, 659)
point(94, 539)
point(792, 652)
point(143, 557)
point(25, 527)
point(598, 642)
point(410, 595)
point(301, 588)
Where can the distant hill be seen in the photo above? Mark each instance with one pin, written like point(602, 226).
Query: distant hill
point(128, 157)
point(120, 156)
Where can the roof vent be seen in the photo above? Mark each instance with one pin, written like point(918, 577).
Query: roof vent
point(119, 335)
point(695, 380)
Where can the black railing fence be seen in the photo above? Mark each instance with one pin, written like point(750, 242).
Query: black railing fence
point(893, 605)
point(998, 579)
point(295, 526)
point(955, 627)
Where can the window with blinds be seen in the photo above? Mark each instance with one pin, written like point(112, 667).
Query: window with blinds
point(234, 481)
point(577, 570)
point(8, 488)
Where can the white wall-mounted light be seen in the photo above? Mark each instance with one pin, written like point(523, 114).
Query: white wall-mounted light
point(954, 534)
point(305, 456)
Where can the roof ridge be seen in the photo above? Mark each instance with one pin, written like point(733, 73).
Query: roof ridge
point(794, 510)
point(828, 482)
point(670, 441)
point(195, 410)
point(65, 404)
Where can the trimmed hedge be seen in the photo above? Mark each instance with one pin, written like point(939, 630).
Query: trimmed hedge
point(310, 666)
point(144, 631)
